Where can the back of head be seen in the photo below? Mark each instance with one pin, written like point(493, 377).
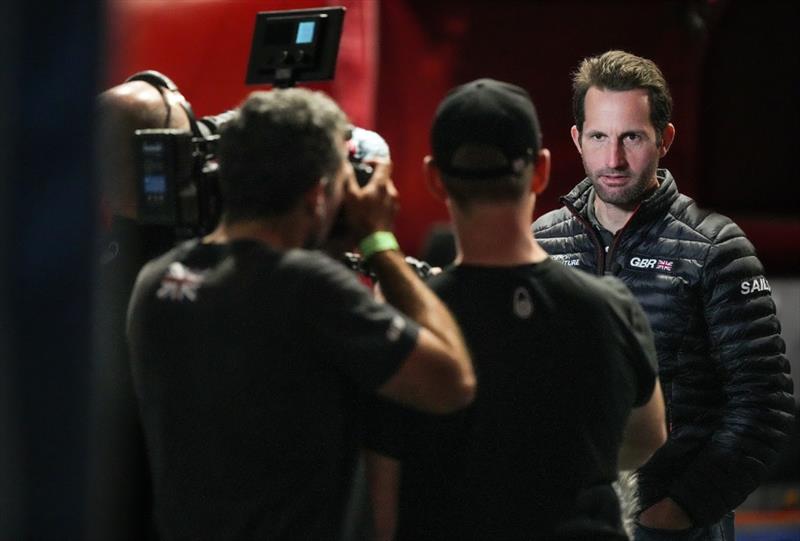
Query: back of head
point(620, 71)
point(485, 135)
point(281, 144)
point(122, 110)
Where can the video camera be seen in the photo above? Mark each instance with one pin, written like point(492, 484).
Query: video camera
point(178, 181)
point(178, 170)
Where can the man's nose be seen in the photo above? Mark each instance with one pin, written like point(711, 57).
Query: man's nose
point(615, 157)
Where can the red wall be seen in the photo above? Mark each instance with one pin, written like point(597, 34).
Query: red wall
point(203, 45)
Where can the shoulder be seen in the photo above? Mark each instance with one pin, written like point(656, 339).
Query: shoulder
point(714, 238)
point(711, 226)
point(552, 222)
point(316, 276)
point(311, 260)
point(312, 264)
point(157, 266)
point(575, 288)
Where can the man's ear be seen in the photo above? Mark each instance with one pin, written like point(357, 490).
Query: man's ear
point(314, 199)
point(541, 171)
point(576, 138)
point(667, 137)
point(433, 178)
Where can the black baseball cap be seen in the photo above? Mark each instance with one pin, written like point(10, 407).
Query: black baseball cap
point(487, 114)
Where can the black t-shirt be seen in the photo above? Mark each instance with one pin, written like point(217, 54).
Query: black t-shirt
point(246, 364)
point(560, 357)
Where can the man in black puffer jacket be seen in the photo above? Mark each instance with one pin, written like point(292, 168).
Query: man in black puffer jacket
point(721, 358)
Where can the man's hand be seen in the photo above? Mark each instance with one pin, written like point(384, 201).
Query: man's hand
point(373, 207)
point(665, 515)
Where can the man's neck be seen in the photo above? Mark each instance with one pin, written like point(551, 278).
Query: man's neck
point(280, 233)
point(610, 216)
point(495, 235)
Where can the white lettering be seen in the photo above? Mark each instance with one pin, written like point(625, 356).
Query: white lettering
point(642, 263)
point(566, 261)
point(756, 284)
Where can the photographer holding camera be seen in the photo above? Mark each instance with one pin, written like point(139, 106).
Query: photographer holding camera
point(248, 350)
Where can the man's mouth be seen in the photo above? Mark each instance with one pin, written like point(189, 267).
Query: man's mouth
point(614, 179)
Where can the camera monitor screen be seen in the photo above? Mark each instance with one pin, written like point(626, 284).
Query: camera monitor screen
point(297, 45)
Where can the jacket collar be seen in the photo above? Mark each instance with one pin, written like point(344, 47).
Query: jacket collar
point(655, 205)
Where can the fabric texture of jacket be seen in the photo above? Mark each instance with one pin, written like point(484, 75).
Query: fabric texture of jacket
point(721, 359)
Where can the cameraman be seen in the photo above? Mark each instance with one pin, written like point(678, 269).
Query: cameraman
point(248, 350)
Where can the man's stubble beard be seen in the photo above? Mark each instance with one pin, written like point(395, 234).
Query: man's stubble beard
point(632, 194)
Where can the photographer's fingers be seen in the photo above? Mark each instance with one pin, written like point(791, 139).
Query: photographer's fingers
point(382, 171)
point(391, 190)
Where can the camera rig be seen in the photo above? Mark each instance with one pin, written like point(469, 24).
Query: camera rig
point(178, 170)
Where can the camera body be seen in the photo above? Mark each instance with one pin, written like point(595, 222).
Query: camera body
point(178, 176)
point(178, 173)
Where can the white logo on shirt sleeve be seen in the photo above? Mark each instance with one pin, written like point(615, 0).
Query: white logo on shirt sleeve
point(180, 283)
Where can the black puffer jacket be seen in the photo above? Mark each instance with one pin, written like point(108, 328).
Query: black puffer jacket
point(721, 360)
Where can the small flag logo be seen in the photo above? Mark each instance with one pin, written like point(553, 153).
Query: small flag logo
point(663, 264)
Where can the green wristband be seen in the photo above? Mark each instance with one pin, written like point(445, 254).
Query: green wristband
point(379, 241)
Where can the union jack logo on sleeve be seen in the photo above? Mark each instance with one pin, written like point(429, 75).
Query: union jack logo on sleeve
point(663, 264)
point(180, 283)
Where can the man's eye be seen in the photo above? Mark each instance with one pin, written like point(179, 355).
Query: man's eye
point(597, 137)
point(632, 137)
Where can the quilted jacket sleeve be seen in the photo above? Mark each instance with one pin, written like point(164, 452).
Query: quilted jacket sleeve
point(745, 341)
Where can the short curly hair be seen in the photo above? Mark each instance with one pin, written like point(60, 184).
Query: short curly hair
point(279, 145)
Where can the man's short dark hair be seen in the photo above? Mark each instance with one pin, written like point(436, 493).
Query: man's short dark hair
point(620, 71)
point(281, 143)
point(484, 137)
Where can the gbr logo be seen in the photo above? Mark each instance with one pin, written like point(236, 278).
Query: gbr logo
point(643, 262)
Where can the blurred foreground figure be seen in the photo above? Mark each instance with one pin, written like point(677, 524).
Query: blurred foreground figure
point(119, 483)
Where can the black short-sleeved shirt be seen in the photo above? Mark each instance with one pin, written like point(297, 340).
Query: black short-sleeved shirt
point(560, 357)
point(246, 365)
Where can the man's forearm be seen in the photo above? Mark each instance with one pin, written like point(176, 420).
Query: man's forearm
point(383, 479)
